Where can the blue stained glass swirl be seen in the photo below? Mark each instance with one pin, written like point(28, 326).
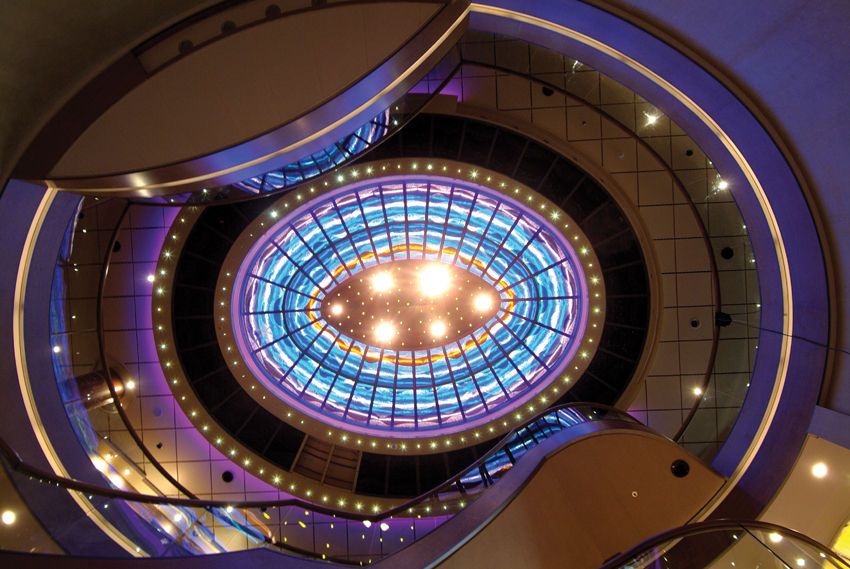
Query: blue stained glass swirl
point(343, 381)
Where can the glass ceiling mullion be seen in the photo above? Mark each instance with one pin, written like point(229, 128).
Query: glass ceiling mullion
point(301, 354)
point(386, 222)
point(536, 323)
point(348, 234)
point(288, 334)
point(446, 222)
point(484, 234)
point(375, 391)
point(366, 226)
point(282, 286)
point(518, 339)
point(356, 381)
point(406, 223)
point(299, 267)
point(313, 253)
point(520, 253)
point(472, 376)
point(454, 384)
point(490, 367)
point(507, 357)
point(318, 367)
point(501, 245)
point(540, 272)
point(465, 227)
point(336, 374)
point(425, 226)
point(285, 311)
point(331, 243)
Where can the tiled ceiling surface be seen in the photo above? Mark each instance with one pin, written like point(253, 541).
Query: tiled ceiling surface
point(682, 202)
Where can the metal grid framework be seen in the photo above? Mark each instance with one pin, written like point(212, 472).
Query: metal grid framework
point(366, 388)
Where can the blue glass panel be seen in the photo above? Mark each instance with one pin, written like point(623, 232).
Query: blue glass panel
point(323, 371)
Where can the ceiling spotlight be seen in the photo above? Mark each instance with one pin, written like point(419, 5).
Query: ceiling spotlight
point(130, 384)
point(8, 517)
point(384, 332)
point(651, 119)
point(819, 470)
point(434, 280)
point(385, 526)
point(438, 329)
point(722, 185)
point(151, 278)
point(336, 309)
point(367, 523)
point(382, 282)
point(483, 302)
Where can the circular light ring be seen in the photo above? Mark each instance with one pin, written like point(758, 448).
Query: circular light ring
point(317, 369)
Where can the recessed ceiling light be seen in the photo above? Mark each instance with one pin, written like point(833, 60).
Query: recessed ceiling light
point(819, 470)
point(438, 329)
point(382, 282)
point(434, 280)
point(336, 309)
point(8, 517)
point(384, 332)
point(483, 302)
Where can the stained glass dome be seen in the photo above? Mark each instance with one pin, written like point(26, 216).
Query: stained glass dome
point(411, 305)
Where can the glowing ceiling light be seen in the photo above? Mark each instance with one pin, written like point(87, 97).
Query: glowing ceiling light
point(775, 537)
point(434, 280)
point(8, 517)
point(819, 470)
point(382, 282)
point(651, 119)
point(385, 526)
point(438, 329)
point(151, 278)
point(130, 385)
point(722, 185)
point(367, 523)
point(336, 309)
point(483, 302)
point(99, 464)
point(384, 332)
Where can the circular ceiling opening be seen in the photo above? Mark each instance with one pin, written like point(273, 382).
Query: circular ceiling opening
point(411, 305)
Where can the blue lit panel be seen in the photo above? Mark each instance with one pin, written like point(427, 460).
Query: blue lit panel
point(297, 340)
point(322, 161)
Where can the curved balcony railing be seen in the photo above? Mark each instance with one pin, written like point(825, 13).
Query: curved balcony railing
point(304, 528)
point(729, 544)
